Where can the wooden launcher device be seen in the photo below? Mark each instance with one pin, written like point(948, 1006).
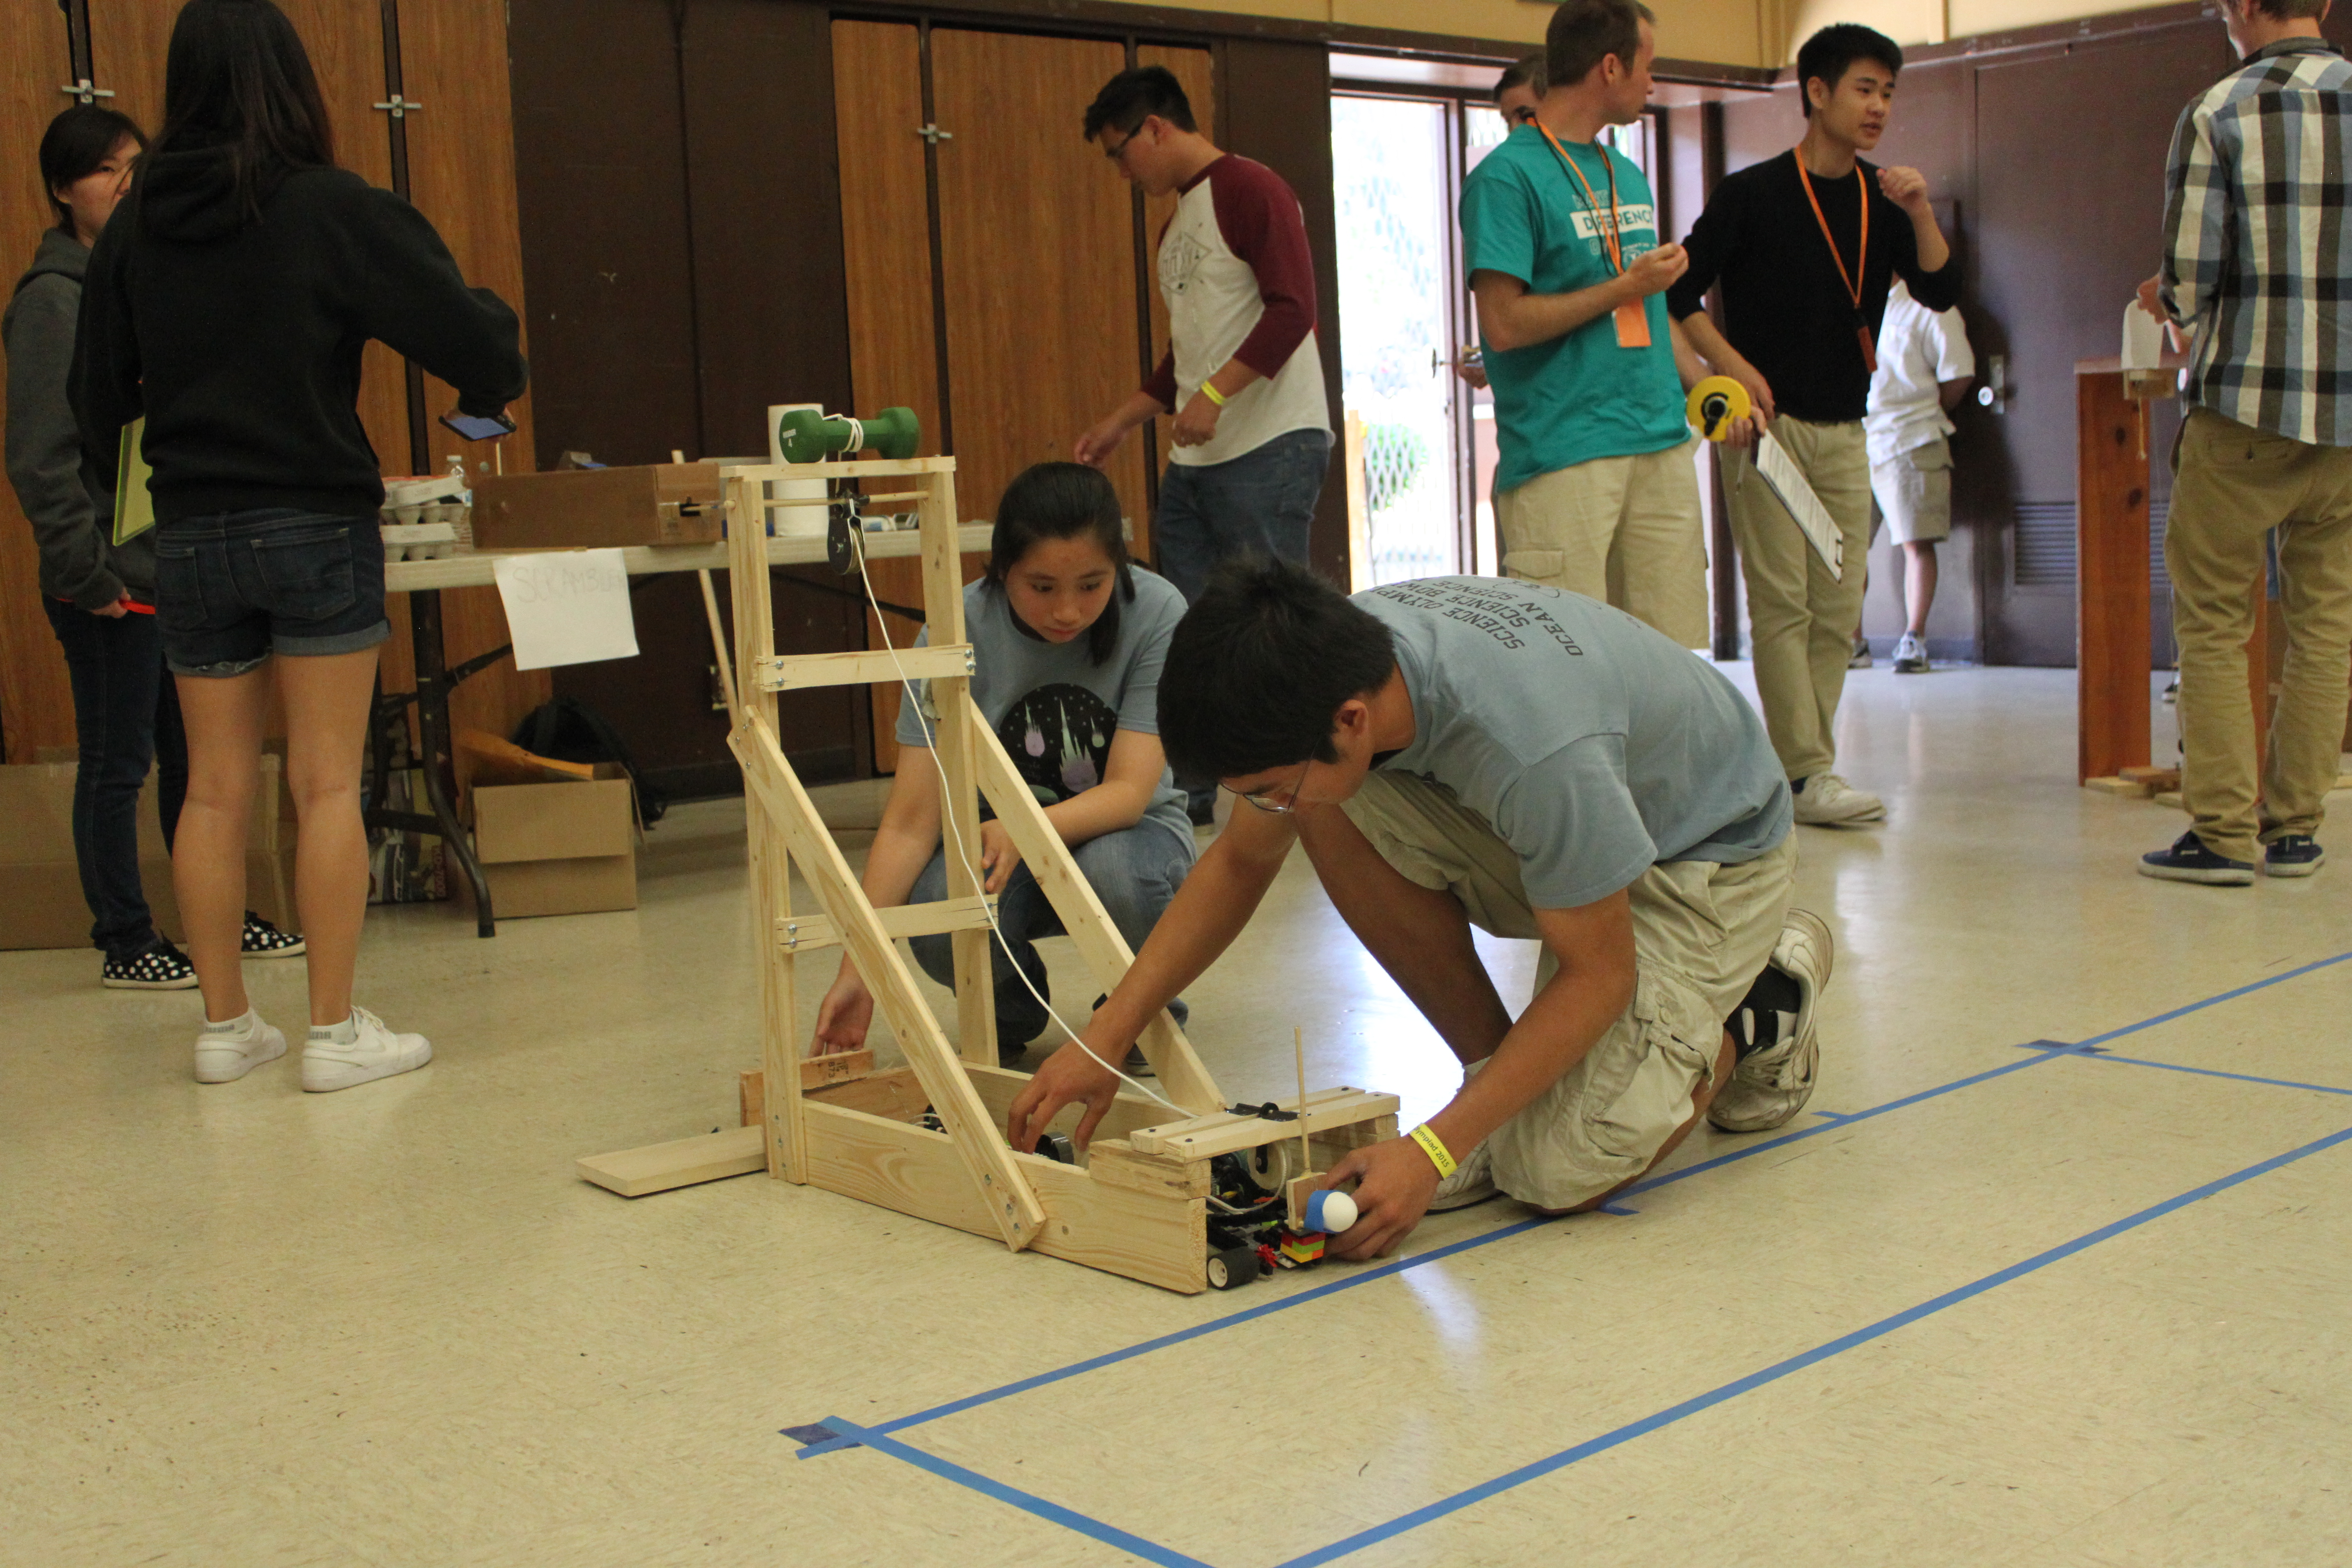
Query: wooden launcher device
point(1139, 1205)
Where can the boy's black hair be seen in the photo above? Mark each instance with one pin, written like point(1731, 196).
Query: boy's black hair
point(75, 143)
point(1130, 98)
point(1258, 667)
point(1583, 33)
point(1831, 53)
point(1064, 500)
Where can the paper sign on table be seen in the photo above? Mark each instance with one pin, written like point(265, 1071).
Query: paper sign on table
point(566, 606)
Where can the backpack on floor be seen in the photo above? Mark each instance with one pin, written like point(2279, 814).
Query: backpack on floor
point(568, 730)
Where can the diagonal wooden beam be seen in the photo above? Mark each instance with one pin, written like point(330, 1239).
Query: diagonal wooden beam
point(1187, 1082)
point(1006, 1196)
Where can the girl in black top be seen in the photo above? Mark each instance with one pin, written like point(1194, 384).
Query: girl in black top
point(228, 305)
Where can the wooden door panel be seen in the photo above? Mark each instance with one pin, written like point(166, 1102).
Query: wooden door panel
point(461, 176)
point(1192, 69)
point(36, 703)
point(1038, 237)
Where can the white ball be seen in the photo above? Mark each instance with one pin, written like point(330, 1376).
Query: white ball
point(1330, 1212)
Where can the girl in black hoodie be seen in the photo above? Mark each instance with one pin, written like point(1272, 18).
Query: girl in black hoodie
point(229, 305)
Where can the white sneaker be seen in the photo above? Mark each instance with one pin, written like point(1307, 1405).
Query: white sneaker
point(1910, 656)
point(1860, 657)
point(359, 1050)
point(1828, 800)
point(227, 1052)
point(1770, 1086)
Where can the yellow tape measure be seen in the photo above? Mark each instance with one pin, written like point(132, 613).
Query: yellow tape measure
point(1716, 404)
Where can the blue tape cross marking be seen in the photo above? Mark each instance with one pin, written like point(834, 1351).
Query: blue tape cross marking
point(1795, 1363)
point(1151, 1551)
point(1027, 1502)
point(2044, 1050)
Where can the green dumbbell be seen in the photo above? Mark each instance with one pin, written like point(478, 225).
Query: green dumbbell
point(806, 436)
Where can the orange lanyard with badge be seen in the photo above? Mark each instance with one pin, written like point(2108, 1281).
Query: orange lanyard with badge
point(1853, 280)
point(1632, 316)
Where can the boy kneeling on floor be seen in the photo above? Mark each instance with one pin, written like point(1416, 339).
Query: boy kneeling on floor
point(1472, 751)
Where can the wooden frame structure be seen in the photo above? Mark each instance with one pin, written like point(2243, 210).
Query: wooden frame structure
point(1138, 1207)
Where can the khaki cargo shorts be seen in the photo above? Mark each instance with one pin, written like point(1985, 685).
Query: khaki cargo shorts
point(1914, 492)
point(1702, 932)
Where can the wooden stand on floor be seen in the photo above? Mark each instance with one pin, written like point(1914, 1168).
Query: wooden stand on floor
point(1139, 1207)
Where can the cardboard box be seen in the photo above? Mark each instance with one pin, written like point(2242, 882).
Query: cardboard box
point(582, 509)
point(40, 883)
point(563, 848)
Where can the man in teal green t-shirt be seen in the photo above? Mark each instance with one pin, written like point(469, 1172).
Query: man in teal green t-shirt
point(1596, 492)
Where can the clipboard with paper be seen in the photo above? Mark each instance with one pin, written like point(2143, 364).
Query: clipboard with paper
point(1789, 486)
point(134, 509)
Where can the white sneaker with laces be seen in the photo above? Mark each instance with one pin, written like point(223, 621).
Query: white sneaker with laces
point(227, 1052)
point(1828, 800)
point(359, 1050)
point(1770, 1086)
point(1910, 656)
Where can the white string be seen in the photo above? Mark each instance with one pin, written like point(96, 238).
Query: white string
point(948, 813)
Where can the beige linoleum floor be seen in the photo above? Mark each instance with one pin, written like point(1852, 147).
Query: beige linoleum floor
point(246, 1327)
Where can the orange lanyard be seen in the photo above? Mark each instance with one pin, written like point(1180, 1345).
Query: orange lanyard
point(1852, 280)
point(1592, 197)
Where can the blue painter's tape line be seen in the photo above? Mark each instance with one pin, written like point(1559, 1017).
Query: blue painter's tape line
point(2216, 1001)
point(1779, 1370)
point(1027, 1502)
point(2059, 1047)
point(2043, 1051)
point(2238, 1076)
point(816, 1434)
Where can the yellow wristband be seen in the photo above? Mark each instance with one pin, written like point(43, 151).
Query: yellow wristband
point(1213, 395)
point(1434, 1147)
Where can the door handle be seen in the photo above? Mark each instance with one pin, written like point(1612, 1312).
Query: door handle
point(1994, 393)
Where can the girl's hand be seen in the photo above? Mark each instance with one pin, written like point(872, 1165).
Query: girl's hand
point(845, 1014)
point(998, 856)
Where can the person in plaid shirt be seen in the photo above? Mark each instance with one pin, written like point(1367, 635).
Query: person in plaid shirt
point(2258, 228)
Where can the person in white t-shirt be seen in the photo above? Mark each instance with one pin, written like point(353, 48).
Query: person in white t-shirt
point(1924, 366)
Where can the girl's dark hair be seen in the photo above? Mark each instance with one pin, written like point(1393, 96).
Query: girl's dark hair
point(1064, 500)
point(1258, 667)
point(75, 143)
point(237, 77)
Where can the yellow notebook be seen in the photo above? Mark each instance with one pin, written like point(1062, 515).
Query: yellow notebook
point(134, 509)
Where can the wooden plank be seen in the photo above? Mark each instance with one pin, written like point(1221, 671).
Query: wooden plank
point(1117, 1162)
point(1181, 1076)
point(987, 1161)
point(950, 698)
point(2111, 601)
point(751, 1097)
point(1328, 1110)
point(896, 1094)
point(2131, 789)
point(799, 671)
point(633, 1172)
point(646, 560)
point(1159, 1239)
point(800, 933)
point(2162, 778)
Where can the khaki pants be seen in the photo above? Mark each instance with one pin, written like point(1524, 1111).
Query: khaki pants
point(2233, 485)
point(1702, 933)
point(1801, 619)
point(1622, 530)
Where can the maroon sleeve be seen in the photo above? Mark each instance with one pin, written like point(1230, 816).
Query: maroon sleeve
point(1163, 381)
point(1259, 217)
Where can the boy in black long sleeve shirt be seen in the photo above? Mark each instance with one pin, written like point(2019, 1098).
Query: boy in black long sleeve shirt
point(1805, 246)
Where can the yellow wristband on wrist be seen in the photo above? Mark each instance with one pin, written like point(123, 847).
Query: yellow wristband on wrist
point(1434, 1147)
point(1213, 395)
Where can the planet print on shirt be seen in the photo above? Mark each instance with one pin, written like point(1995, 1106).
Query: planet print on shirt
point(1059, 738)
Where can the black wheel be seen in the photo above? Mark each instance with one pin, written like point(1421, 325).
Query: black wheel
point(1233, 1266)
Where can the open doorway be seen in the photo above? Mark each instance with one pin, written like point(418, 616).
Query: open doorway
point(1419, 436)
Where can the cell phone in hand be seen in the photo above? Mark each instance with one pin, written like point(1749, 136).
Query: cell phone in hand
point(478, 427)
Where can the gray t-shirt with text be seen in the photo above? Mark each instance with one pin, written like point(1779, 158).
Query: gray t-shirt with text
point(1595, 746)
point(1054, 707)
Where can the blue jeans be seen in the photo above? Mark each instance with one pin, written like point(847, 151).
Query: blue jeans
point(1262, 503)
point(126, 719)
point(1134, 871)
point(235, 587)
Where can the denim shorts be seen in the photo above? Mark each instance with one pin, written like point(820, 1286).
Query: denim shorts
point(233, 588)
